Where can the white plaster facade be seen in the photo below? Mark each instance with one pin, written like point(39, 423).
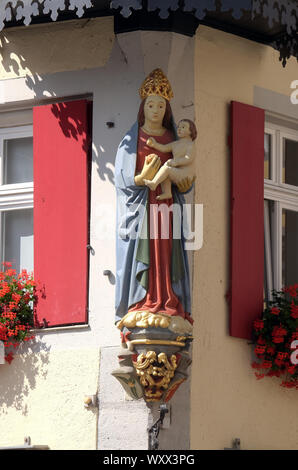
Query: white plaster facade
point(42, 392)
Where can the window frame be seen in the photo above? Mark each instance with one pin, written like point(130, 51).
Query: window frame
point(23, 195)
point(283, 196)
point(15, 196)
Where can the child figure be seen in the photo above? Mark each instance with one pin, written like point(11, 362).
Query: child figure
point(182, 164)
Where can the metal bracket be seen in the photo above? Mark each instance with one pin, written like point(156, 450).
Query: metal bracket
point(91, 249)
point(110, 124)
point(153, 432)
point(110, 276)
point(235, 445)
point(90, 401)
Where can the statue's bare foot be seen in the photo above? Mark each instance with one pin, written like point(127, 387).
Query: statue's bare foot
point(164, 196)
point(150, 184)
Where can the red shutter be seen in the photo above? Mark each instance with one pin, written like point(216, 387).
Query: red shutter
point(61, 210)
point(247, 218)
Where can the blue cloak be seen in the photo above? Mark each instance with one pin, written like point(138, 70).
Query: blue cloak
point(132, 237)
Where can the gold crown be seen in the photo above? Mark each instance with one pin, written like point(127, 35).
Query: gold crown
point(156, 84)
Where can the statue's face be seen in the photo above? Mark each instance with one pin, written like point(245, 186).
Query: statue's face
point(155, 108)
point(183, 129)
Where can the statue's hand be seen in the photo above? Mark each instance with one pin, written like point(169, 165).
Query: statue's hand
point(171, 163)
point(151, 142)
point(150, 168)
point(185, 184)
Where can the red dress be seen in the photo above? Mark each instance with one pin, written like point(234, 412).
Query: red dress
point(160, 297)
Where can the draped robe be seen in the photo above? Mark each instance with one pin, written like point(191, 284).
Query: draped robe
point(152, 274)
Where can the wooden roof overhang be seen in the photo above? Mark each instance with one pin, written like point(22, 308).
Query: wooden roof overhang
point(271, 22)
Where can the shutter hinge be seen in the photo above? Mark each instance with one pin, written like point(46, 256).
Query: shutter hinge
point(92, 251)
point(228, 296)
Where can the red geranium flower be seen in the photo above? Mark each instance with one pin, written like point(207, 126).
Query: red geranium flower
point(278, 334)
point(266, 364)
point(261, 340)
point(16, 308)
point(273, 335)
point(292, 369)
point(270, 350)
point(291, 290)
point(275, 311)
point(294, 310)
point(258, 324)
point(9, 357)
point(260, 350)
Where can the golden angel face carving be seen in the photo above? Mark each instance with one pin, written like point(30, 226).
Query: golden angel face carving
point(155, 373)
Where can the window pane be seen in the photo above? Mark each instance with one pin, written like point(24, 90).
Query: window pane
point(289, 247)
point(17, 229)
point(18, 160)
point(267, 155)
point(290, 162)
point(268, 261)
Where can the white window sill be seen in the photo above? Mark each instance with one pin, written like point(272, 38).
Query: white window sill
point(56, 329)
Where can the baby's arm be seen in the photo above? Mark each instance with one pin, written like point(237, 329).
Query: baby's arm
point(165, 148)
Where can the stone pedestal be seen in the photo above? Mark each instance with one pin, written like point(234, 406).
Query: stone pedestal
point(154, 356)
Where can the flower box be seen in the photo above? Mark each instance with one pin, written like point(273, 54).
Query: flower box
point(275, 337)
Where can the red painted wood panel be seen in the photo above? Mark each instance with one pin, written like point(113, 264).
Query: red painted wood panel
point(247, 218)
point(61, 210)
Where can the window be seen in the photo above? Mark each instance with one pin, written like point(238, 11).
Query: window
point(259, 211)
point(56, 149)
point(16, 196)
point(281, 206)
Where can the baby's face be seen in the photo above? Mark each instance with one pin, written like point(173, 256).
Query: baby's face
point(183, 129)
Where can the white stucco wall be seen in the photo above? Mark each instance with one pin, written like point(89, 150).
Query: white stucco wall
point(227, 401)
point(55, 47)
point(42, 391)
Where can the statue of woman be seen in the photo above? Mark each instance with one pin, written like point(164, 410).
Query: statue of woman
point(152, 271)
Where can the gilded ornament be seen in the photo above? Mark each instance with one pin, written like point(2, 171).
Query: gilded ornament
point(156, 84)
point(164, 342)
point(155, 373)
point(146, 319)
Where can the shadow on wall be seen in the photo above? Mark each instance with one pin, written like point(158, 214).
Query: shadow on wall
point(70, 123)
point(18, 379)
point(10, 61)
point(16, 65)
point(19, 58)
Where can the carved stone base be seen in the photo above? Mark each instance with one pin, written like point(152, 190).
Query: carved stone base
point(153, 360)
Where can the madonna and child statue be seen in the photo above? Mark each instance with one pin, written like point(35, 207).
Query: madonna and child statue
point(154, 168)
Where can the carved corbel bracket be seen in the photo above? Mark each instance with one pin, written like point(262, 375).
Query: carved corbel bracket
point(154, 355)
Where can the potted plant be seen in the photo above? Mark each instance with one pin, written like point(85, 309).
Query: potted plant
point(275, 335)
point(17, 297)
